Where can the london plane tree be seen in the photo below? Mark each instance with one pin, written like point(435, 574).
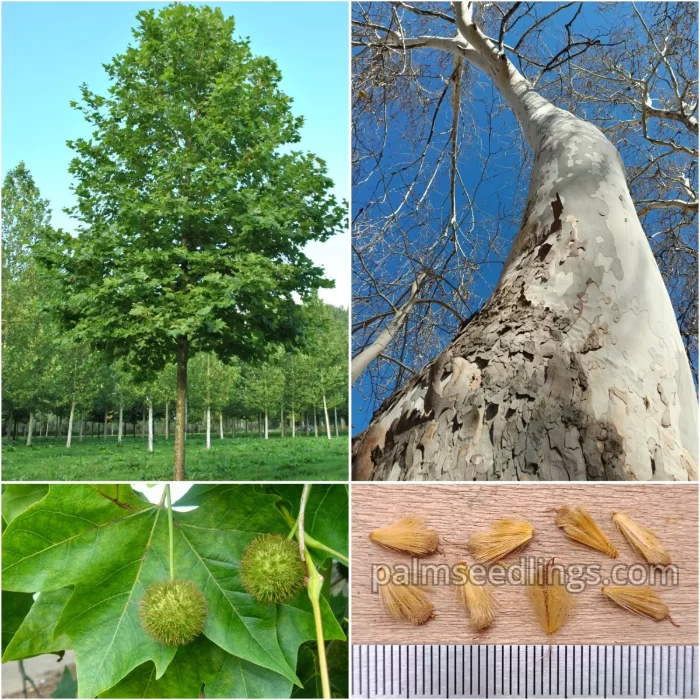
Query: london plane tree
point(194, 209)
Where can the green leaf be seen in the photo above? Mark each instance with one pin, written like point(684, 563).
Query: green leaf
point(16, 498)
point(67, 687)
point(15, 607)
point(202, 663)
point(197, 494)
point(36, 633)
point(326, 515)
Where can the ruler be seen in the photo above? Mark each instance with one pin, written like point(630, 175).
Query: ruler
point(523, 671)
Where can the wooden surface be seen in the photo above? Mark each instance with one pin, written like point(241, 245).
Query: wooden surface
point(459, 511)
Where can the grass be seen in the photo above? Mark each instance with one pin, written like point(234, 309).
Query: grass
point(245, 458)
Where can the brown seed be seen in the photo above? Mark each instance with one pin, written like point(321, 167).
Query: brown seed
point(504, 537)
point(642, 539)
point(579, 526)
point(641, 600)
point(550, 599)
point(407, 535)
point(477, 600)
point(404, 602)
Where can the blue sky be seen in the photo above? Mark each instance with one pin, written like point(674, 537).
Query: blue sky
point(50, 48)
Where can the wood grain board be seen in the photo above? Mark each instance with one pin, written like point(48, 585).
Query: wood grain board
point(459, 511)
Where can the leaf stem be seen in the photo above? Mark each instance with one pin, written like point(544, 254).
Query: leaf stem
point(314, 591)
point(170, 532)
point(311, 541)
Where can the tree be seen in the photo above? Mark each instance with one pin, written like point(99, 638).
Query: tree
point(26, 333)
point(194, 210)
point(574, 367)
point(264, 387)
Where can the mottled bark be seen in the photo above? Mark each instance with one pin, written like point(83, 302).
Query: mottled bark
point(167, 419)
point(574, 368)
point(120, 430)
point(294, 425)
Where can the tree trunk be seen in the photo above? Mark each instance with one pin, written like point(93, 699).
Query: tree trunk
point(574, 369)
point(180, 409)
point(150, 427)
point(105, 425)
point(30, 428)
point(120, 430)
point(259, 426)
point(69, 437)
point(48, 418)
point(266, 430)
point(10, 420)
point(335, 419)
point(143, 421)
point(221, 425)
point(58, 427)
point(208, 421)
point(315, 424)
point(325, 413)
point(294, 426)
point(282, 430)
point(233, 427)
point(167, 419)
point(82, 426)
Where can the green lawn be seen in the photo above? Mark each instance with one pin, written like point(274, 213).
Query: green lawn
point(244, 458)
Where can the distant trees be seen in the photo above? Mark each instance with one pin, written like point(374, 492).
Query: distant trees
point(193, 220)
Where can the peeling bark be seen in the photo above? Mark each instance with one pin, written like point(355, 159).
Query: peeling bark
point(574, 369)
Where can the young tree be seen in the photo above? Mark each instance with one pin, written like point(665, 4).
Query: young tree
point(193, 215)
point(264, 387)
point(26, 332)
point(574, 368)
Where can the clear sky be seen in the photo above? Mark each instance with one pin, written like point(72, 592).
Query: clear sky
point(50, 48)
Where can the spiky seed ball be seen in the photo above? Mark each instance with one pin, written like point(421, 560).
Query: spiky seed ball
point(173, 612)
point(271, 570)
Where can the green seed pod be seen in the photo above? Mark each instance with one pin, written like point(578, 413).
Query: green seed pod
point(271, 570)
point(173, 612)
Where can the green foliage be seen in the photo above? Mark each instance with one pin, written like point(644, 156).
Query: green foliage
point(93, 551)
point(193, 218)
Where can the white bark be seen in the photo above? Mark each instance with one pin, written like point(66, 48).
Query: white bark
point(82, 426)
point(364, 358)
point(207, 416)
point(221, 425)
point(69, 437)
point(30, 428)
point(335, 419)
point(325, 413)
point(150, 427)
point(574, 368)
point(167, 419)
point(104, 430)
point(267, 435)
point(120, 430)
point(315, 424)
point(294, 425)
